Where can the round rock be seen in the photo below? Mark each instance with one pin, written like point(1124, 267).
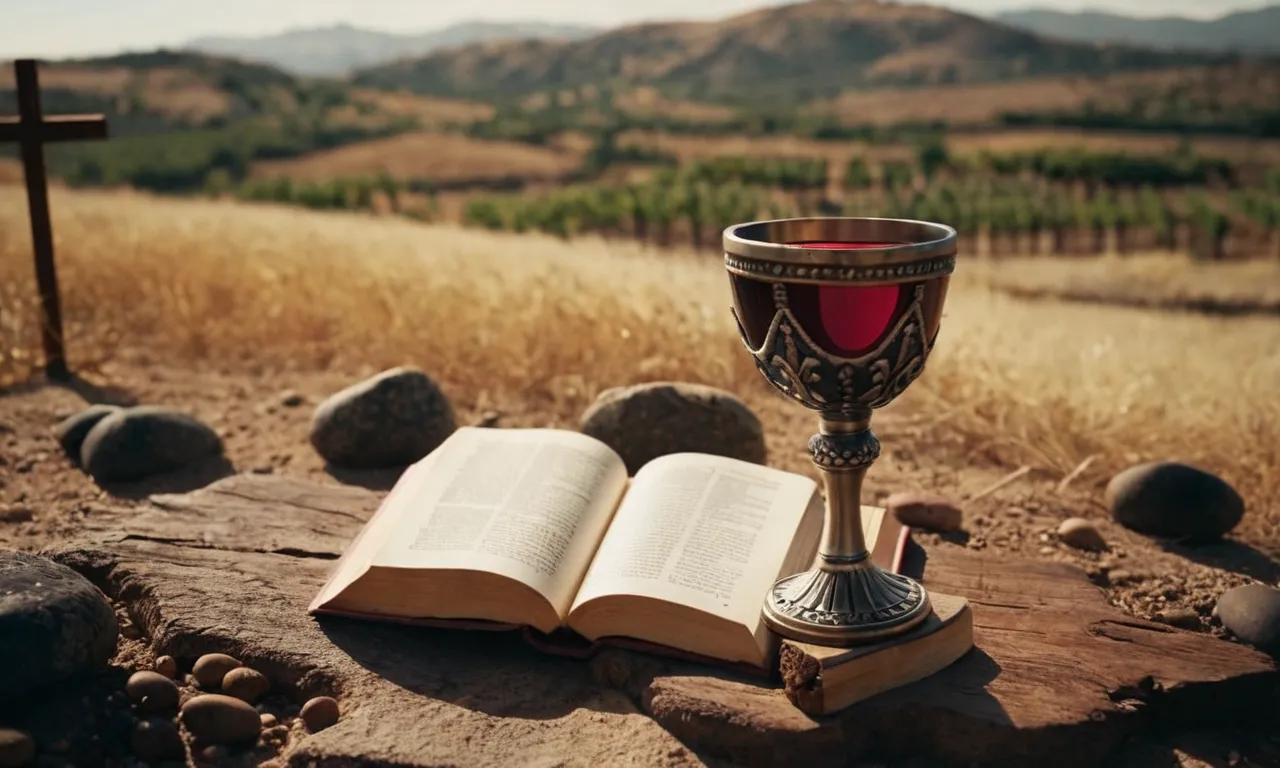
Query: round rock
point(925, 511)
point(167, 666)
point(155, 740)
point(210, 669)
point(1252, 613)
point(1081, 534)
point(152, 692)
point(16, 748)
point(1174, 501)
point(319, 713)
point(391, 420)
point(135, 443)
point(53, 623)
point(245, 684)
point(646, 421)
point(213, 718)
point(72, 430)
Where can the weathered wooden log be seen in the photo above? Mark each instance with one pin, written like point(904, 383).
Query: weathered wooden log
point(1057, 676)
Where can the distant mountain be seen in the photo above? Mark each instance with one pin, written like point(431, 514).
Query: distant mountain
point(337, 50)
point(784, 53)
point(1248, 32)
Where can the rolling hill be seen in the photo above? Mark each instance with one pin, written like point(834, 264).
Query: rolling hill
point(1244, 32)
point(780, 54)
point(337, 50)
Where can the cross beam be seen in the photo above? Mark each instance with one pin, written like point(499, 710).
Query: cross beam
point(31, 130)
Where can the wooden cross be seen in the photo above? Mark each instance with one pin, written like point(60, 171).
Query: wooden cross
point(31, 130)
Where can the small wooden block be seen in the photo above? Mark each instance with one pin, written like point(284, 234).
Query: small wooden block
point(820, 679)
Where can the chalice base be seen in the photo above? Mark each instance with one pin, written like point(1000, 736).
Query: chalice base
point(846, 606)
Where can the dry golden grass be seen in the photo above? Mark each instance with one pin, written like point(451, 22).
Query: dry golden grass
point(428, 110)
point(1153, 279)
point(182, 94)
point(10, 171)
point(691, 147)
point(647, 102)
point(104, 81)
point(982, 102)
point(688, 148)
point(534, 320)
point(1257, 151)
point(176, 93)
point(438, 156)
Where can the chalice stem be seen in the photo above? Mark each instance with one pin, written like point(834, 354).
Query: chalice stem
point(843, 543)
point(845, 598)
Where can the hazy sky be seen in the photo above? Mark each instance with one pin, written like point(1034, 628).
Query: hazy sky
point(58, 28)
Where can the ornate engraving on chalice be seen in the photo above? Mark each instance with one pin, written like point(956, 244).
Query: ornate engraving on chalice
point(840, 315)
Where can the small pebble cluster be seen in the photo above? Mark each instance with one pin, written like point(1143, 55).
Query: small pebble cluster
point(217, 711)
point(1165, 500)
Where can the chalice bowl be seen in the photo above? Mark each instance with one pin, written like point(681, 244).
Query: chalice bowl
point(840, 315)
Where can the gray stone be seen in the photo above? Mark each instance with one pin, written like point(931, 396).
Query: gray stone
point(1252, 613)
point(1174, 501)
point(53, 623)
point(72, 430)
point(391, 420)
point(646, 421)
point(135, 443)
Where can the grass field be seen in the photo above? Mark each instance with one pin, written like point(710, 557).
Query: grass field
point(691, 147)
point(427, 155)
point(430, 111)
point(550, 324)
point(1240, 287)
point(985, 102)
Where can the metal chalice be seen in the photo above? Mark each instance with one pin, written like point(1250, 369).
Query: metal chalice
point(840, 315)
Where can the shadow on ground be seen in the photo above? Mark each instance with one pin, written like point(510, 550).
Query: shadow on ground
point(372, 479)
point(1228, 555)
point(190, 478)
point(90, 393)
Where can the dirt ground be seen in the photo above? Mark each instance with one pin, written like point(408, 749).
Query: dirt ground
point(44, 499)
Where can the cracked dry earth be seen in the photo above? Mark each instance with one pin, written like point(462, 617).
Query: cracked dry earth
point(230, 569)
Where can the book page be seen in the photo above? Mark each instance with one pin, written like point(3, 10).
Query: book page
point(703, 531)
point(529, 504)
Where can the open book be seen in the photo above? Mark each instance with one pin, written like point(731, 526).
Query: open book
point(542, 529)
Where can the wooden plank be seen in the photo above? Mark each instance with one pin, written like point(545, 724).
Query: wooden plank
point(41, 227)
point(1057, 676)
point(55, 128)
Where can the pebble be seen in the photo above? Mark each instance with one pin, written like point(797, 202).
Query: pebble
point(210, 669)
point(291, 398)
point(214, 754)
point(645, 421)
point(16, 513)
point(1184, 618)
point(167, 666)
point(156, 739)
point(71, 431)
point(152, 692)
point(268, 720)
point(213, 718)
point(245, 684)
point(920, 510)
point(1252, 613)
point(390, 420)
point(54, 624)
point(135, 443)
point(16, 748)
point(1081, 534)
point(1174, 501)
point(319, 713)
